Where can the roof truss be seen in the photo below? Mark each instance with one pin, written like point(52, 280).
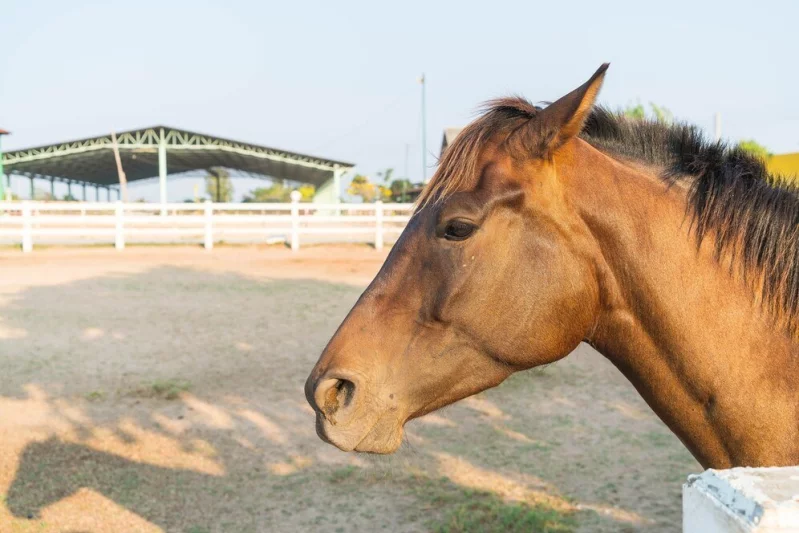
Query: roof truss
point(91, 160)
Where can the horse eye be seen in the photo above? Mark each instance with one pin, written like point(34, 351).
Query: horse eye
point(458, 230)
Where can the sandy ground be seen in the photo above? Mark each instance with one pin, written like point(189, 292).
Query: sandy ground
point(160, 389)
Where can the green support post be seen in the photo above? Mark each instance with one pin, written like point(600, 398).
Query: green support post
point(52, 188)
point(162, 170)
point(33, 189)
point(5, 182)
point(337, 172)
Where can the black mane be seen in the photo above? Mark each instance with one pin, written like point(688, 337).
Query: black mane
point(752, 216)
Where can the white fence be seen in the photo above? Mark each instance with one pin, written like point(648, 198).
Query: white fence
point(38, 223)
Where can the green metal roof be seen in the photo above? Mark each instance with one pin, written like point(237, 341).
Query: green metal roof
point(92, 160)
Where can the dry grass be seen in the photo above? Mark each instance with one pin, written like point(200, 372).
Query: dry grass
point(168, 389)
point(161, 390)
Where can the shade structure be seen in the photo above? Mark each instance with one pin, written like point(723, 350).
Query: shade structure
point(160, 150)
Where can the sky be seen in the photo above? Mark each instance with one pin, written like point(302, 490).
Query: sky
point(339, 79)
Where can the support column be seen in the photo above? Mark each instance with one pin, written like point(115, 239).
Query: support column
point(52, 188)
point(96, 193)
point(108, 194)
point(162, 170)
point(33, 191)
point(84, 191)
point(337, 173)
point(3, 178)
point(69, 189)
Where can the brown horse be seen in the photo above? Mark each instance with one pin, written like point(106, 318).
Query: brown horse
point(676, 258)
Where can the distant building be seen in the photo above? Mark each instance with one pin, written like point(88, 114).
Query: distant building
point(449, 136)
point(447, 139)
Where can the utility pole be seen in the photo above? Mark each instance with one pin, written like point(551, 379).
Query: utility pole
point(424, 130)
point(405, 174)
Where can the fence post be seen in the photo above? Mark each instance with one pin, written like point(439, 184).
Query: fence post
point(119, 211)
point(379, 225)
point(209, 228)
point(295, 220)
point(27, 230)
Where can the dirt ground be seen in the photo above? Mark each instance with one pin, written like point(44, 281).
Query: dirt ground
point(160, 389)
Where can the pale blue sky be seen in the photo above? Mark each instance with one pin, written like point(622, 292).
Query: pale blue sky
point(338, 79)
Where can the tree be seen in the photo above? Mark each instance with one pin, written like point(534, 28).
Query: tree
point(385, 175)
point(661, 113)
point(368, 191)
point(278, 192)
point(396, 189)
point(361, 186)
point(218, 185)
point(307, 191)
point(399, 189)
point(754, 148)
point(638, 112)
point(41, 195)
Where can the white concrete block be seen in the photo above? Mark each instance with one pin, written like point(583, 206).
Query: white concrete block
point(742, 500)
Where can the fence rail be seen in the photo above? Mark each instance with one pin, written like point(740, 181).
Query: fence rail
point(29, 223)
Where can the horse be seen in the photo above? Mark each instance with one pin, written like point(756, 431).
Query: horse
point(675, 257)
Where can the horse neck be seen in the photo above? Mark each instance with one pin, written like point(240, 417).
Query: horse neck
point(686, 333)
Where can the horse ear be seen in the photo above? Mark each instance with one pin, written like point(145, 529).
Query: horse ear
point(564, 118)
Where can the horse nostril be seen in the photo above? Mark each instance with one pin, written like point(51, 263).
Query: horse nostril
point(333, 395)
point(346, 390)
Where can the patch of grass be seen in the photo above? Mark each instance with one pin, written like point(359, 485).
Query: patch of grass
point(94, 396)
point(484, 512)
point(168, 389)
point(29, 527)
point(198, 529)
point(658, 439)
point(460, 510)
point(563, 420)
point(342, 474)
point(450, 508)
point(127, 487)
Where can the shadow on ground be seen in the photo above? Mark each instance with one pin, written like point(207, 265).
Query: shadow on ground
point(171, 399)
